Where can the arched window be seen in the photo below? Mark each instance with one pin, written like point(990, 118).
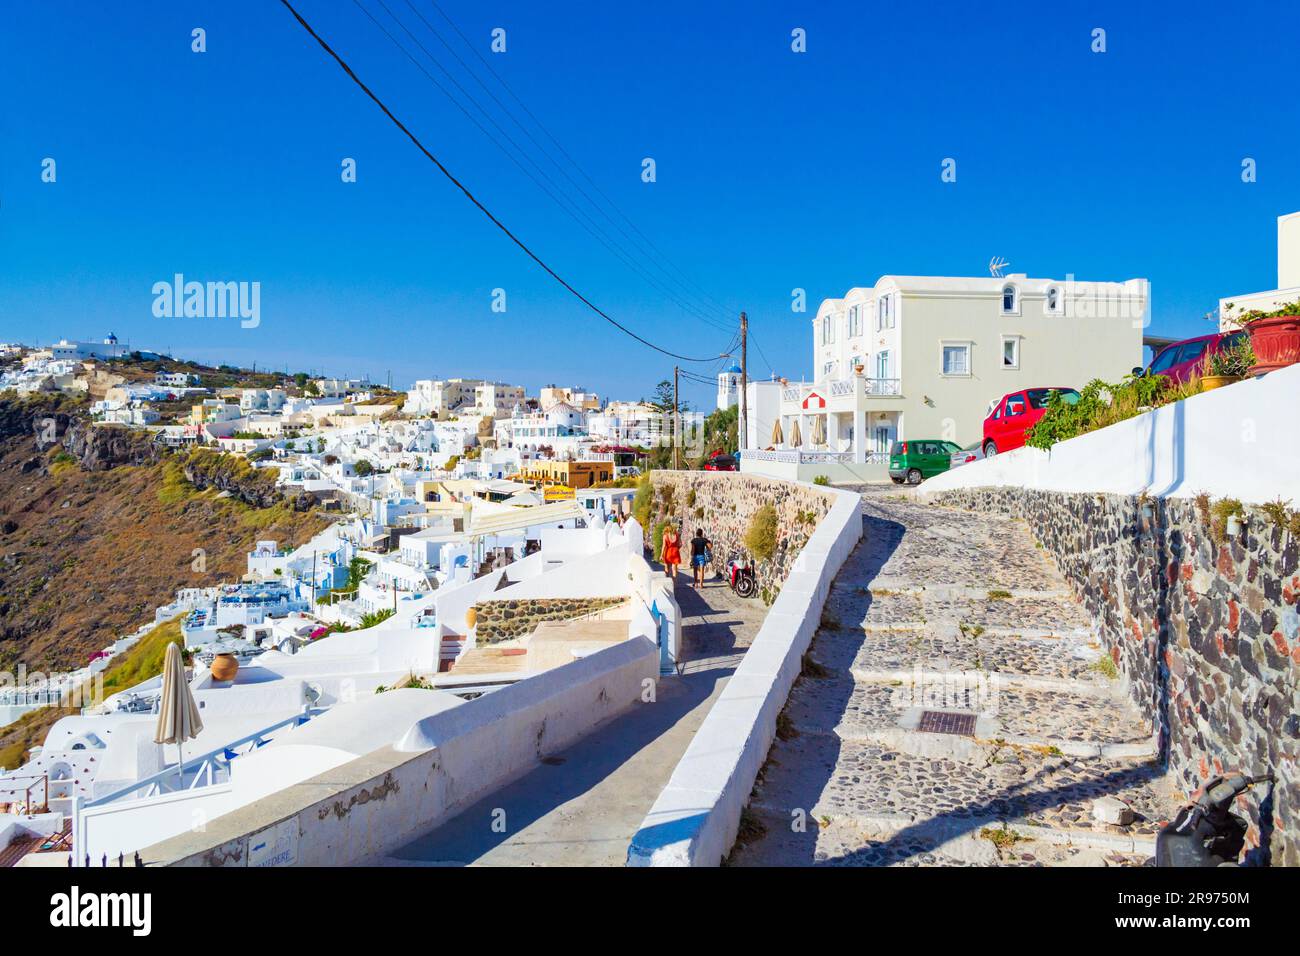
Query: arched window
point(1008, 298)
point(1053, 299)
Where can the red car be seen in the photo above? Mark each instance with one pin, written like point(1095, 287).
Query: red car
point(720, 461)
point(1178, 362)
point(1012, 415)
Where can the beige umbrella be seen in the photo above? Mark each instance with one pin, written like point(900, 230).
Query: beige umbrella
point(819, 430)
point(777, 436)
point(178, 714)
point(796, 439)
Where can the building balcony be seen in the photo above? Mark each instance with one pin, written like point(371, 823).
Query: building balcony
point(840, 395)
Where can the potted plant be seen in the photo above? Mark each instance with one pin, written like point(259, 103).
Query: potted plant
point(1226, 366)
point(1274, 336)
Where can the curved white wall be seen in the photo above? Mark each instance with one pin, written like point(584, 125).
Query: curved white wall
point(1238, 441)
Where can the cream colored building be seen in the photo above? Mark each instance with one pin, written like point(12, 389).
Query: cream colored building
point(925, 356)
point(577, 397)
point(497, 399)
point(442, 398)
point(1288, 277)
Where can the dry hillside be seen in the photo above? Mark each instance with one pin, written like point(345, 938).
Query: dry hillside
point(100, 527)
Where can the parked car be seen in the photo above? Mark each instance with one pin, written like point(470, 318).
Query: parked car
point(915, 460)
point(1012, 415)
point(1178, 362)
point(719, 461)
point(966, 455)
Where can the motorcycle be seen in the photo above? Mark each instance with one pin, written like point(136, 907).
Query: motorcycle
point(740, 572)
point(1205, 832)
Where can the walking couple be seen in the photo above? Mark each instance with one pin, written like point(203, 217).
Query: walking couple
point(701, 554)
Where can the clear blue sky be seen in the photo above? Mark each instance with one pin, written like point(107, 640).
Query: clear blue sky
point(775, 170)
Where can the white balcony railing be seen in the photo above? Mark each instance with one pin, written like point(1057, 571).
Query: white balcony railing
point(883, 386)
point(871, 387)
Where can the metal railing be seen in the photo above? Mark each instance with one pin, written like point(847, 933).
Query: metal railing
point(204, 770)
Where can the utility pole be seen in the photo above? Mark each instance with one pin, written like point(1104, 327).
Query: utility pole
point(676, 419)
point(744, 381)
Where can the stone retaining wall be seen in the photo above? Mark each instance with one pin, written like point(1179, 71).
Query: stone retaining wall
point(506, 620)
point(1205, 632)
point(724, 504)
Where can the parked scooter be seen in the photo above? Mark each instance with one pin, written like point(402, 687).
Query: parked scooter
point(740, 571)
point(1206, 832)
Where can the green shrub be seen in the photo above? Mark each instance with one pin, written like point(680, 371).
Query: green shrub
point(1101, 403)
point(821, 480)
point(760, 539)
point(370, 620)
point(657, 539)
point(643, 501)
point(1222, 510)
point(1233, 362)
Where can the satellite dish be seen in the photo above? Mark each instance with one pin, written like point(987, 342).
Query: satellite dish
point(312, 693)
point(996, 265)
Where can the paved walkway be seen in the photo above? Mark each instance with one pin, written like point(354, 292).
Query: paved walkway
point(581, 806)
point(947, 610)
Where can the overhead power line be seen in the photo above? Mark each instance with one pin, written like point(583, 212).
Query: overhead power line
point(550, 187)
point(472, 198)
point(686, 281)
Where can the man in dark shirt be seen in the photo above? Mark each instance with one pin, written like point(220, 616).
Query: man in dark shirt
point(700, 556)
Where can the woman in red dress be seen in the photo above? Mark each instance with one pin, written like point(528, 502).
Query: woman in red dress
point(672, 551)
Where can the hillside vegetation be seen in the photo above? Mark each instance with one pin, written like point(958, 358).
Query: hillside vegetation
point(137, 664)
point(87, 555)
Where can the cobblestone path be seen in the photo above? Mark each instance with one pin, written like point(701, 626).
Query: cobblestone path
point(946, 610)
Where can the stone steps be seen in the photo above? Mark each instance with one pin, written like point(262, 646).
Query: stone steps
point(957, 613)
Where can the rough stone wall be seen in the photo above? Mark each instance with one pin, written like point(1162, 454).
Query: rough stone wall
point(723, 505)
point(506, 620)
point(1206, 632)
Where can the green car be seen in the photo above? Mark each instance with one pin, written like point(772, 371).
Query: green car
point(911, 461)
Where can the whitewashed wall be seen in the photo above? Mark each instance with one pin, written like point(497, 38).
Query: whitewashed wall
point(1238, 441)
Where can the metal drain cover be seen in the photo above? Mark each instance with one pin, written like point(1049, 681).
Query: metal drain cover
point(942, 722)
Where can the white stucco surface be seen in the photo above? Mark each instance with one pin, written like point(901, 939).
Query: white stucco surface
point(695, 819)
point(1238, 441)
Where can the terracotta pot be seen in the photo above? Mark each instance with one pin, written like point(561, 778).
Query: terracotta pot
point(224, 667)
point(1276, 342)
point(1211, 382)
point(471, 617)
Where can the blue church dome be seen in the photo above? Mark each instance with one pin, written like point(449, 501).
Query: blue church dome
point(734, 370)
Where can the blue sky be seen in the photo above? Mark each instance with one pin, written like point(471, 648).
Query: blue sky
point(775, 171)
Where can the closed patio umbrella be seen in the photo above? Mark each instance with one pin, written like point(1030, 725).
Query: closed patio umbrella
point(796, 439)
point(777, 436)
point(819, 430)
point(178, 714)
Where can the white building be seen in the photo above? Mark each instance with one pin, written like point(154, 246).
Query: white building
point(175, 379)
point(109, 348)
point(924, 356)
point(497, 399)
point(728, 387)
point(261, 399)
point(1288, 277)
point(442, 398)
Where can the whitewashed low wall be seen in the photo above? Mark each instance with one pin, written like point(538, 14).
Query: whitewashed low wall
point(695, 819)
point(836, 472)
point(1237, 441)
point(364, 809)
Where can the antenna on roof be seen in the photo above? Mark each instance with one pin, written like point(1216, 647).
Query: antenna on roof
point(996, 265)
